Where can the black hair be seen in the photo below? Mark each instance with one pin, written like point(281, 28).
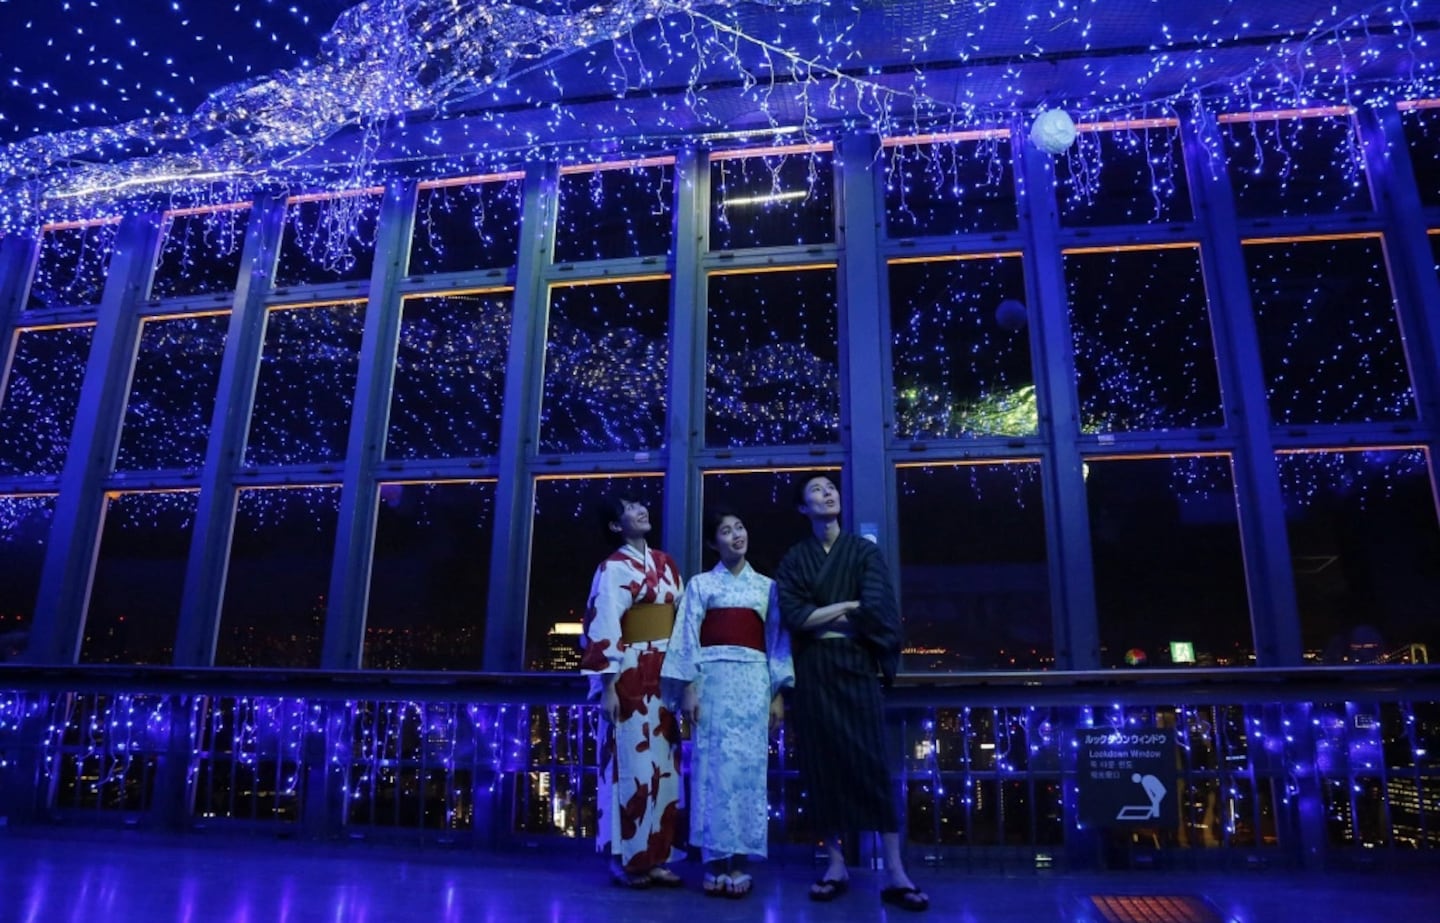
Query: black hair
point(711, 521)
point(610, 509)
point(797, 487)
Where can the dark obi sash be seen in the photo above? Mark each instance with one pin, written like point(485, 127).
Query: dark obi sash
point(738, 627)
point(647, 622)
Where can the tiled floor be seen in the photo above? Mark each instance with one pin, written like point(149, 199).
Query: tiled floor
point(68, 876)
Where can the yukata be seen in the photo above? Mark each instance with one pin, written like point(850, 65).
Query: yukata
point(838, 710)
point(729, 641)
point(626, 631)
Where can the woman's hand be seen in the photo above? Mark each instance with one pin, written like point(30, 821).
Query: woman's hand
point(777, 712)
point(690, 704)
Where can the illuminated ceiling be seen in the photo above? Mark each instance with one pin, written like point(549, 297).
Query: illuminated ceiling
point(102, 101)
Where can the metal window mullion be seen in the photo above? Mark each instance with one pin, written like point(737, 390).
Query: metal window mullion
point(369, 418)
point(1075, 617)
point(519, 425)
point(864, 375)
point(1275, 618)
point(79, 508)
point(239, 367)
point(17, 256)
point(684, 488)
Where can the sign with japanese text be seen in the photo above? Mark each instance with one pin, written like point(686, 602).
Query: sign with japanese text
point(1127, 777)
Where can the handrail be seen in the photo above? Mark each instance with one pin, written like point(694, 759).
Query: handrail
point(1090, 687)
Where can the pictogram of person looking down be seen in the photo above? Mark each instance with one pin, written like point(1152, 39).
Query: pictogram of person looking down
point(1154, 790)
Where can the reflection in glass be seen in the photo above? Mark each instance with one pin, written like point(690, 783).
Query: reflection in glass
point(764, 500)
point(772, 369)
point(1144, 357)
point(606, 356)
point(172, 392)
point(429, 576)
point(24, 533)
point(960, 348)
point(614, 213)
point(70, 269)
point(973, 579)
point(466, 225)
point(139, 578)
point(200, 252)
point(1422, 136)
point(1134, 174)
point(772, 200)
point(41, 394)
point(306, 387)
point(450, 376)
point(940, 188)
point(1294, 166)
point(1329, 340)
point(278, 577)
point(1165, 539)
point(1366, 552)
point(567, 543)
point(329, 239)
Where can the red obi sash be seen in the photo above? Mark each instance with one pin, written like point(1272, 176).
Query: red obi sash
point(738, 627)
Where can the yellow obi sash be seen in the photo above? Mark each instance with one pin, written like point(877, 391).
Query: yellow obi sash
point(647, 622)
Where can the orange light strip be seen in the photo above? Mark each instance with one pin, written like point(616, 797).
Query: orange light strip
point(967, 462)
point(1309, 113)
point(947, 137)
point(1300, 239)
point(743, 153)
point(1157, 456)
point(761, 270)
point(491, 290)
point(610, 280)
point(955, 257)
point(591, 476)
point(332, 485)
point(294, 306)
point(71, 225)
point(472, 180)
point(427, 481)
point(204, 209)
point(1408, 104)
point(1132, 124)
point(117, 494)
point(320, 196)
point(796, 469)
point(42, 327)
point(181, 315)
point(1310, 450)
point(28, 495)
point(1130, 248)
point(635, 164)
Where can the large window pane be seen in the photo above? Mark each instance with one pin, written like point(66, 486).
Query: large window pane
point(1294, 166)
point(1165, 537)
point(24, 533)
point(774, 199)
point(70, 269)
point(960, 348)
point(960, 186)
point(1329, 339)
point(430, 576)
point(772, 372)
point(1422, 136)
point(606, 355)
point(42, 393)
point(277, 580)
point(139, 578)
point(973, 580)
point(306, 387)
point(200, 252)
point(329, 238)
point(615, 212)
point(1366, 550)
point(567, 543)
point(466, 225)
point(1131, 174)
point(172, 392)
point(450, 376)
point(764, 500)
point(1144, 357)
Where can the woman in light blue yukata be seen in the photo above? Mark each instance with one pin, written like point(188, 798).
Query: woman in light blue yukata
point(733, 657)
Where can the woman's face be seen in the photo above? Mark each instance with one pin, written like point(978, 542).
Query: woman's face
point(730, 540)
point(634, 522)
